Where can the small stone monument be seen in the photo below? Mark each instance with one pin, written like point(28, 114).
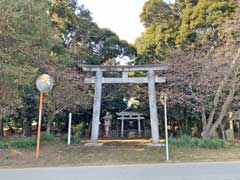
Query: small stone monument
point(107, 123)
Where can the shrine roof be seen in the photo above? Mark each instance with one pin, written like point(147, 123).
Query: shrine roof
point(128, 113)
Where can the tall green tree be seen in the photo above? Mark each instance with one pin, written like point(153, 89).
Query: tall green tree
point(157, 12)
point(186, 34)
point(28, 41)
point(202, 17)
point(184, 24)
point(161, 21)
point(87, 43)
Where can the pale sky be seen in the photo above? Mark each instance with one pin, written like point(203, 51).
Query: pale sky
point(121, 16)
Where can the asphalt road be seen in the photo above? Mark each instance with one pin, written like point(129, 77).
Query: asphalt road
point(198, 171)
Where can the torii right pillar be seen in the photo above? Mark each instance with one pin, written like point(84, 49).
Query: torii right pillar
point(153, 107)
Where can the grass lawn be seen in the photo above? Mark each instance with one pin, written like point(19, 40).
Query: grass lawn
point(58, 153)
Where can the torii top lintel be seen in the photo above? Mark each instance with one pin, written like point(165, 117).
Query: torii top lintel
point(127, 68)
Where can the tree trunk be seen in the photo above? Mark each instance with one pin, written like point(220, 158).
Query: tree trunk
point(209, 125)
point(224, 108)
point(27, 127)
point(180, 127)
point(1, 128)
point(222, 131)
point(49, 123)
point(204, 124)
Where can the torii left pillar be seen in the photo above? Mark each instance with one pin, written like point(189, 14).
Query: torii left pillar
point(96, 108)
point(153, 107)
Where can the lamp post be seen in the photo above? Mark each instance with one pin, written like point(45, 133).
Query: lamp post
point(44, 84)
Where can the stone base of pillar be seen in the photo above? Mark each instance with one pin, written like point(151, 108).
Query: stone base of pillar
point(107, 136)
point(93, 144)
point(156, 145)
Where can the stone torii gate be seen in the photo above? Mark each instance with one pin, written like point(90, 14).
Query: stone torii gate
point(98, 80)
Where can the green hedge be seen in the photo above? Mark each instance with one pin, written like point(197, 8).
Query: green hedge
point(189, 142)
point(24, 142)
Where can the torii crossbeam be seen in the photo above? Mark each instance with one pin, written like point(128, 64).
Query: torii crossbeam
point(151, 79)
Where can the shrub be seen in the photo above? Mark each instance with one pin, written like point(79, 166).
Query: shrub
point(24, 142)
point(77, 132)
point(3, 144)
point(65, 137)
point(47, 137)
point(212, 143)
point(189, 142)
point(76, 137)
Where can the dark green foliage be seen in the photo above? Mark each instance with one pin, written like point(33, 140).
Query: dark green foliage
point(157, 12)
point(189, 142)
point(46, 137)
point(27, 39)
point(29, 109)
point(161, 22)
point(65, 137)
point(48, 37)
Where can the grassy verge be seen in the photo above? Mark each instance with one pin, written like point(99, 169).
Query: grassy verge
point(58, 153)
point(24, 142)
point(189, 142)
